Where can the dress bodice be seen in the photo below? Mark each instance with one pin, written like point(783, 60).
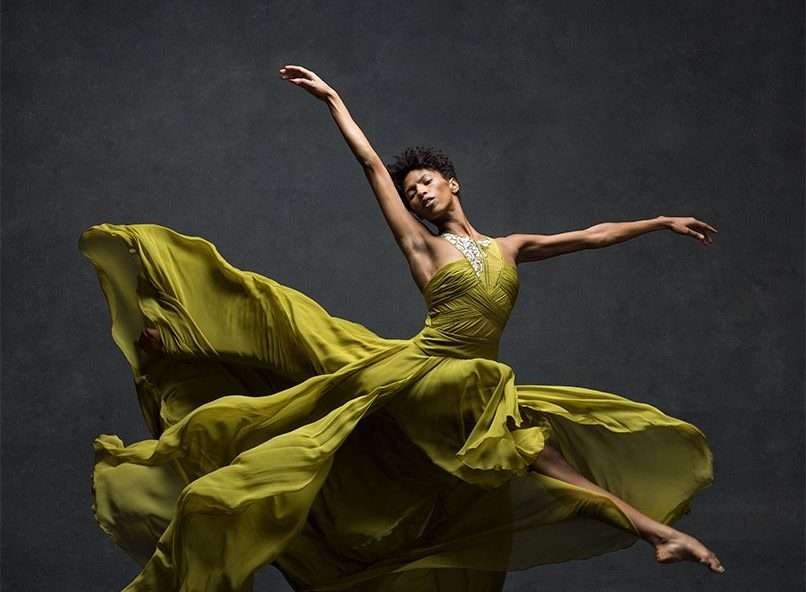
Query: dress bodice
point(469, 301)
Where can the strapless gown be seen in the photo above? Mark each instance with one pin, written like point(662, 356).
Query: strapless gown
point(284, 435)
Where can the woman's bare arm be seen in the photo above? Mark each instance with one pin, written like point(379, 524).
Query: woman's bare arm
point(534, 247)
point(409, 233)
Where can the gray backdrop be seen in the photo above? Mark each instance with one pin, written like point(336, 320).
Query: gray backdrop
point(558, 115)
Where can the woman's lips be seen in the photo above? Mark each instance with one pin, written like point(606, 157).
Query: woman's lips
point(429, 202)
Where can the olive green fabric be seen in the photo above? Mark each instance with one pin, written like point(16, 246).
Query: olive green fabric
point(285, 435)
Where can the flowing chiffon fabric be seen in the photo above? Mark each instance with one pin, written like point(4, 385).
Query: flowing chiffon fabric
point(282, 434)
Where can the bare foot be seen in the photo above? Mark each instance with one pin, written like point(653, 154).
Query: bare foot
point(682, 547)
point(150, 339)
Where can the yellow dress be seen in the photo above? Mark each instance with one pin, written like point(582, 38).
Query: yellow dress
point(285, 435)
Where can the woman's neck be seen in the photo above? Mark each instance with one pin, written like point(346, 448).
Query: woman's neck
point(461, 229)
point(457, 223)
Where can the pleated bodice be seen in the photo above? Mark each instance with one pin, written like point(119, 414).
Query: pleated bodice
point(467, 311)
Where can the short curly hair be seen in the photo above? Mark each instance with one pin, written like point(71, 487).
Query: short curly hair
point(419, 157)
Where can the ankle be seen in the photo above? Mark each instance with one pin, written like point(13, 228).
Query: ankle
point(661, 534)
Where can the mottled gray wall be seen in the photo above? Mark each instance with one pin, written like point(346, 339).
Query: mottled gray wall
point(558, 115)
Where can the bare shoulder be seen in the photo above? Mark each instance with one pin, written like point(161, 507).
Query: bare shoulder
point(509, 246)
point(423, 257)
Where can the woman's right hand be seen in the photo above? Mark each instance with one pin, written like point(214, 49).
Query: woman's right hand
point(308, 80)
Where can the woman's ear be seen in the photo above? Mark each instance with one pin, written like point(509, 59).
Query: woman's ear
point(453, 184)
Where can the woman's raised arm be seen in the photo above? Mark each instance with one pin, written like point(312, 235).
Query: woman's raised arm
point(408, 231)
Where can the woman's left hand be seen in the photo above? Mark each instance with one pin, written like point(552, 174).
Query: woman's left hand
point(308, 80)
point(692, 227)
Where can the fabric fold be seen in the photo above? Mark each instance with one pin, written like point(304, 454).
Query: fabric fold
point(283, 435)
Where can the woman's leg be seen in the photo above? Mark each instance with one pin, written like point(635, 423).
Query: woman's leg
point(670, 544)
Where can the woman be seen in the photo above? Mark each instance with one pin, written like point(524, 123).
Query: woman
point(285, 435)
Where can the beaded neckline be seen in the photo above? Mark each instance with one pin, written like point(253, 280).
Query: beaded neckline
point(470, 248)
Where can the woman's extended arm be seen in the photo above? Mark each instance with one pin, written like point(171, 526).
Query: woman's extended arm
point(534, 247)
point(408, 231)
point(610, 233)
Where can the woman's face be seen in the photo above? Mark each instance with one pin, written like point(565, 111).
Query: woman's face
point(428, 193)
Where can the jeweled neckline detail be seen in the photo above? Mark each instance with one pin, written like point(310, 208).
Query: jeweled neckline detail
point(470, 248)
point(484, 241)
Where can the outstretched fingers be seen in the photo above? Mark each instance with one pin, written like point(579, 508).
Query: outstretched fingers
point(292, 71)
point(709, 227)
point(704, 230)
point(297, 75)
point(700, 230)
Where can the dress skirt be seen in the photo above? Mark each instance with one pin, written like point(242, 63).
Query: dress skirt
point(280, 434)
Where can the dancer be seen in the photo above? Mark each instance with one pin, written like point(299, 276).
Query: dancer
point(285, 435)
